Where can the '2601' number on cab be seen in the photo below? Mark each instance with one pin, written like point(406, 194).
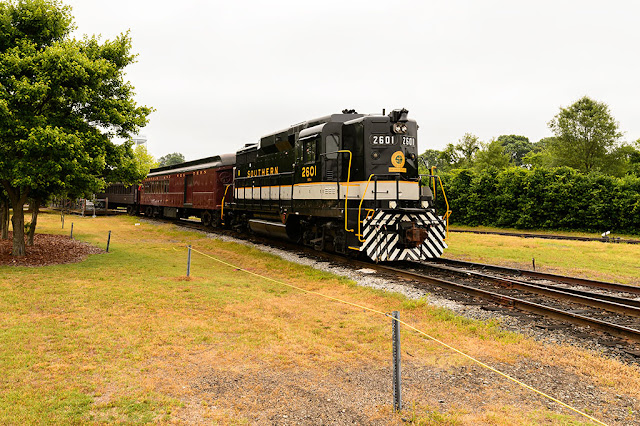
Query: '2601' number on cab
point(309, 171)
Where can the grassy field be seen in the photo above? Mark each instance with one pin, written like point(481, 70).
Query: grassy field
point(126, 337)
point(545, 232)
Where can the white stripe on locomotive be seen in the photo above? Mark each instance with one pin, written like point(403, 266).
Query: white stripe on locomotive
point(386, 190)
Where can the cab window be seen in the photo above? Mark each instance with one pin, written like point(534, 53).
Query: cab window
point(332, 145)
point(309, 150)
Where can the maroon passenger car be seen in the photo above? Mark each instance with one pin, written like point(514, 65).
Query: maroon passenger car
point(117, 195)
point(195, 188)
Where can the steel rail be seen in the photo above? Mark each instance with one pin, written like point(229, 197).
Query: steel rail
point(543, 275)
point(615, 299)
point(614, 304)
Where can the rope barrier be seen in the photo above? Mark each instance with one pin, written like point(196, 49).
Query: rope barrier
point(513, 379)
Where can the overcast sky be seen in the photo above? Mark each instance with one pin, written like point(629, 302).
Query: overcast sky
point(224, 73)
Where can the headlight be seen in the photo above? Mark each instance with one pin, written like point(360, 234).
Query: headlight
point(393, 204)
point(425, 204)
point(399, 128)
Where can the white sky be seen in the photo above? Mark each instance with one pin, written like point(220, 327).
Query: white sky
point(223, 73)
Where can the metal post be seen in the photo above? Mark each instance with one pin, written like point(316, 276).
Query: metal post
point(62, 218)
point(189, 261)
point(533, 261)
point(397, 390)
point(71, 236)
point(108, 241)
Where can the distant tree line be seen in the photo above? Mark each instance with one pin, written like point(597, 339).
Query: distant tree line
point(582, 178)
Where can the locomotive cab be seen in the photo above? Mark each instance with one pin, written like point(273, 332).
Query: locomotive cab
point(389, 153)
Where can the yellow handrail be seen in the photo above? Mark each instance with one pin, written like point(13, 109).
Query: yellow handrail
point(448, 213)
point(433, 181)
point(222, 207)
point(360, 209)
point(346, 197)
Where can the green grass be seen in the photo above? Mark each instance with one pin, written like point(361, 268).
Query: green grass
point(542, 232)
point(115, 337)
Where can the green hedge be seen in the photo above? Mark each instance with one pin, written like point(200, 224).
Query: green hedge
point(561, 198)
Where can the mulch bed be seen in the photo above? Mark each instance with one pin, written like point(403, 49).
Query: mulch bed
point(47, 250)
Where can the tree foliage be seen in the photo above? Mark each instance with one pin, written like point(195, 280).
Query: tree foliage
point(62, 101)
point(467, 147)
point(171, 159)
point(586, 139)
point(582, 178)
point(586, 134)
point(516, 147)
point(492, 154)
point(432, 158)
point(143, 162)
point(557, 198)
point(540, 155)
point(453, 156)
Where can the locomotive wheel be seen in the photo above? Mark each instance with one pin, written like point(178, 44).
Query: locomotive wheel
point(206, 218)
point(148, 212)
point(215, 220)
point(131, 210)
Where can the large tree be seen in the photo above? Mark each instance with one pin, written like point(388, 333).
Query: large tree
point(586, 133)
point(62, 101)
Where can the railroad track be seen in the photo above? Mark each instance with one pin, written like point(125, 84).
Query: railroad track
point(613, 309)
point(615, 312)
point(541, 275)
point(549, 236)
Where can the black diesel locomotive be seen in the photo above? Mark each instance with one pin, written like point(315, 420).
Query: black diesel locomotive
point(347, 183)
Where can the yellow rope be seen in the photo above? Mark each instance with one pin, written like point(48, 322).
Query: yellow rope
point(411, 327)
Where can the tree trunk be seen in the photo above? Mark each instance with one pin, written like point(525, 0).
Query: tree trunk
point(4, 219)
point(35, 208)
point(17, 220)
point(7, 217)
point(18, 197)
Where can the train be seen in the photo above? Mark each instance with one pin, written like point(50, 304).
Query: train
point(346, 183)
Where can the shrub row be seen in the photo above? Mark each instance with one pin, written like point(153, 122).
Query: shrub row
point(560, 199)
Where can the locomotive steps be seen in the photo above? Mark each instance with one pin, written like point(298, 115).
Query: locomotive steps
point(125, 336)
